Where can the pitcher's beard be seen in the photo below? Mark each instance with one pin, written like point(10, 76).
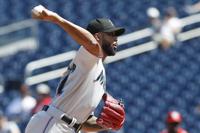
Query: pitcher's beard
point(108, 49)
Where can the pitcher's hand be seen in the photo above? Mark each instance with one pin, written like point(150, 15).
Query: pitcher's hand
point(41, 13)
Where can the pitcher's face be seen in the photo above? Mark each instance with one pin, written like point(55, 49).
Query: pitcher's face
point(109, 43)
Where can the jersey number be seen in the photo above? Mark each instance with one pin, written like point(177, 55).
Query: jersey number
point(70, 70)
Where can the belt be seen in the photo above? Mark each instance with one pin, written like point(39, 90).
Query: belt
point(63, 117)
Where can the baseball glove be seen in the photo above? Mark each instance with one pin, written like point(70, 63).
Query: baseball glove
point(112, 115)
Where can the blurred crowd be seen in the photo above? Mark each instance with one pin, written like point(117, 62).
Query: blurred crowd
point(20, 104)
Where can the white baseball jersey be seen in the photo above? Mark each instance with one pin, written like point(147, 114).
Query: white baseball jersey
point(80, 94)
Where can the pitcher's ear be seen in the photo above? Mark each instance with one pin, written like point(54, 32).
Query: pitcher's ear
point(97, 36)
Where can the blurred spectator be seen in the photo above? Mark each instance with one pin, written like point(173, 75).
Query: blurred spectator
point(7, 126)
point(43, 97)
point(171, 27)
point(154, 19)
point(164, 31)
point(19, 109)
point(22, 104)
point(173, 122)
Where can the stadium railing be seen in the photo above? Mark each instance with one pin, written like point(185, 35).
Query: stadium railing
point(23, 41)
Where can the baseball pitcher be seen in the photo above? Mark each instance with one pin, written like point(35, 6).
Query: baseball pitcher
point(83, 85)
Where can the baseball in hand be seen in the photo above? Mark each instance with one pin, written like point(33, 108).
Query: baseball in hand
point(36, 11)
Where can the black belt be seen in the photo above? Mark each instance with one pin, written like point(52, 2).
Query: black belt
point(67, 120)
